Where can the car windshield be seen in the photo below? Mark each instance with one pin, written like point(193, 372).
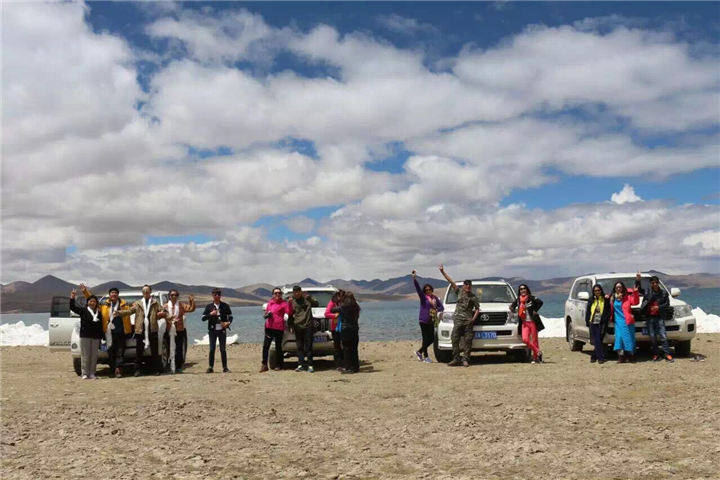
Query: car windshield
point(487, 294)
point(323, 298)
point(130, 299)
point(608, 283)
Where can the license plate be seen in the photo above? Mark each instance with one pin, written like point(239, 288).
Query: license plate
point(645, 331)
point(486, 335)
point(321, 338)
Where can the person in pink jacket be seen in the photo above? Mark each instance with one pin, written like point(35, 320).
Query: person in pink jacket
point(335, 328)
point(275, 313)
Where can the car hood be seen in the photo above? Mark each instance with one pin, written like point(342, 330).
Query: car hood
point(485, 307)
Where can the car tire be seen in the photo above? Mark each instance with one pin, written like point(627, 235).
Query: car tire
point(77, 366)
point(575, 345)
point(442, 356)
point(682, 349)
point(521, 356)
point(272, 360)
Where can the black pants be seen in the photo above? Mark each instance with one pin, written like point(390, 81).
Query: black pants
point(155, 364)
point(337, 346)
point(304, 340)
point(180, 338)
point(270, 335)
point(116, 352)
point(350, 341)
point(428, 337)
point(216, 335)
point(597, 338)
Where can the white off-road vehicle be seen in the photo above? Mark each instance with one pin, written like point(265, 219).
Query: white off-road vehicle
point(322, 339)
point(680, 324)
point(496, 328)
point(64, 330)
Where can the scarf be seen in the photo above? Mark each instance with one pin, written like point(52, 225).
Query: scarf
point(146, 321)
point(94, 314)
point(598, 304)
point(174, 314)
point(521, 308)
point(114, 307)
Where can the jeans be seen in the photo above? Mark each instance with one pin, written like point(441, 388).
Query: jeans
point(597, 339)
point(530, 337)
point(216, 335)
point(270, 335)
point(155, 364)
point(89, 350)
point(338, 355)
point(350, 341)
point(116, 352)
point(304, 340)
point(656, 326)
point(428, 337)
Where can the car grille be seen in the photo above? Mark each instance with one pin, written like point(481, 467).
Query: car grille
point(492, 318)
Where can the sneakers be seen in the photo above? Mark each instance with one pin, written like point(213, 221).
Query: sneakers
point(277, 369)
point(118, 373)
point(419, 356)
point(656, 358)
point(84, 377)
point(533, 362)
point(264, 368)
point(600, 362)
point(455, 363)
point(427, 360)
point(226, 370)
point(593, 359)
point(311, 370)
point(179, 370)
point(299, 368)
point(539, 359)
point(347, 371)
point(93, 377)
point(465, 363)
point(669, 358)
point(209, 370)
point(340, 369)
point(137, 373)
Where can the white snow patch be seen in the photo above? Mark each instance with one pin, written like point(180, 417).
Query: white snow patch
point(17, 334)
point(706, 322)
point(554, 327)
point(206, 340)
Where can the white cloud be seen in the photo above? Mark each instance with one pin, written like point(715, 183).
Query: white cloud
point(707, 242)
point(409, 26)
point(626, 195)
point(301, 224)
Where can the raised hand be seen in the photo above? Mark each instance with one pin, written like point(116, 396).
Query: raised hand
point(73, 293)
point(414, 273)
point(638, 276)
point(82, 287)
point(442, 269)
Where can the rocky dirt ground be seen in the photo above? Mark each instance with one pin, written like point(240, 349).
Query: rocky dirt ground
point(398, 418)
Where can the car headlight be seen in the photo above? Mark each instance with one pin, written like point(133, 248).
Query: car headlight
point(447, 318)
point(77, 328)
point(682, 311)
point(512, 317)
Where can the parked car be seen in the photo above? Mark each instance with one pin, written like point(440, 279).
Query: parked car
point(64, 330)
point(322, 340)
point(680, 324)
point(496, 328)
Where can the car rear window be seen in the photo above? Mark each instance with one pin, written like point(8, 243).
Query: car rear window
point(608, 283)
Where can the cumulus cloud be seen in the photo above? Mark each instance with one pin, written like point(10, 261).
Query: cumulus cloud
point(92, 160)
point(626, 195)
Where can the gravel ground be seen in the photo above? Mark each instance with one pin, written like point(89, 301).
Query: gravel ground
point(398, 418)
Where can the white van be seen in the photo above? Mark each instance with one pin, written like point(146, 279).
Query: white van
point(680, 324)
point(322, 339)
point(496, 328)
point(64, 330)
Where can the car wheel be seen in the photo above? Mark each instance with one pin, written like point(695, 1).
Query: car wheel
point(575, 345)
point(77, 366)
point(442, 356)
point(272, 360)
point(521, 356)
point(682, 349)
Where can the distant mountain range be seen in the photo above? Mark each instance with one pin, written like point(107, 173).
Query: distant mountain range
point(25, 297)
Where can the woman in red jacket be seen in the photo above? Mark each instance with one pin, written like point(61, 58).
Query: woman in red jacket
point(335, 328)
point(275, 313)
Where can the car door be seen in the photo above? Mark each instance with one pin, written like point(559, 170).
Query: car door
point(582, 330)
point(61, 324)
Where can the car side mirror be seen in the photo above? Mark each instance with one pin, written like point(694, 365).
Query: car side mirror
point(675, 292)
point(584, 296)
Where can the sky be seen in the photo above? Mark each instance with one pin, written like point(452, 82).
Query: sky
point(237, 143)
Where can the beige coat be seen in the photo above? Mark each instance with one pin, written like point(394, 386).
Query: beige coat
point(157, 311)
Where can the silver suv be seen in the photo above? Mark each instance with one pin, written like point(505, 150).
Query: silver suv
point(680, 324)
point(496, 328)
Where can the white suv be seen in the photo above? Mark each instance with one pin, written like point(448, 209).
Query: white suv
point(496, 328)
point(322, 339)
point(680, 325)
point(64, 330)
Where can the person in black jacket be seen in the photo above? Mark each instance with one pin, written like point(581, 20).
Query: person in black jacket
point(527, 307)
point(349, 311)
point(91, 332)
point(597, 317)
point(655, 303)
point(219, 317)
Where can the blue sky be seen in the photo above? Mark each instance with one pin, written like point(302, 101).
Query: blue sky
point(375, 134)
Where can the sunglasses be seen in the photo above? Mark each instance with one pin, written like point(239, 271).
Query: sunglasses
point(173, 295)
point(215, 294)
point(427, 290)
point(277, 293)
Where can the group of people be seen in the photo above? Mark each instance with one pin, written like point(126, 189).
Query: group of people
point(343, 313)
point(617, 308)
point(114, 322)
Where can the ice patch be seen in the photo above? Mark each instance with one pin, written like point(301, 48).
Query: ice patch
point(706, 322)
point(554, 327)
point(206, 340)
point(17, 334)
